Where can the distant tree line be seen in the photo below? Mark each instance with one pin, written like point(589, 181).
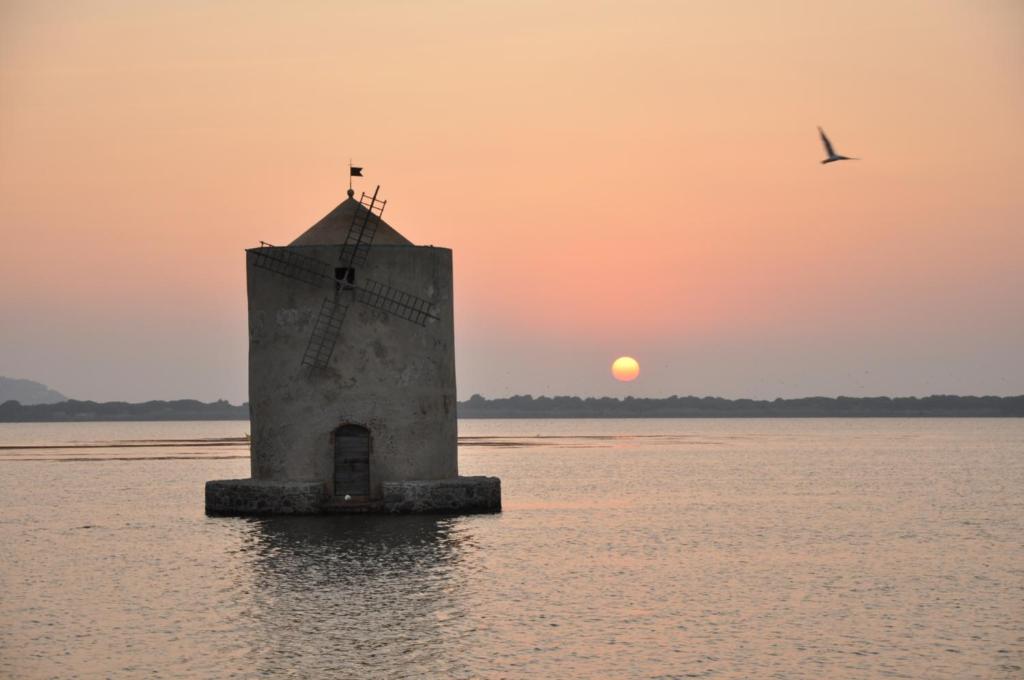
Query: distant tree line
point(526, 406)
point(182, 409)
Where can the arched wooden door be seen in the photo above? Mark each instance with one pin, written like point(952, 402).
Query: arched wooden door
point(352, 461)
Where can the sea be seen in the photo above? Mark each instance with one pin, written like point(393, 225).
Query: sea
point(647, 548)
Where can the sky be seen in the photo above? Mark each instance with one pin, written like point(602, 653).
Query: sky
point(615, 178)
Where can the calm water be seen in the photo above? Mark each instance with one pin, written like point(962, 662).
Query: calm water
point(628, 548)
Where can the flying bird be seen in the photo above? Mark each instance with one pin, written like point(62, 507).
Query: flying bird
point(832, 155)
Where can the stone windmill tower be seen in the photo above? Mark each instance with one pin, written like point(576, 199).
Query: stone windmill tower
point(352, 375)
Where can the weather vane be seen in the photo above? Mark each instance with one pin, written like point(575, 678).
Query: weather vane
point(353, 171)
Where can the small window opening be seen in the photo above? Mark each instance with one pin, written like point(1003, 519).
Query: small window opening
point(346, 275)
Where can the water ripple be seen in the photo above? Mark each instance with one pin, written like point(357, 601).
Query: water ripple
point(667, 549)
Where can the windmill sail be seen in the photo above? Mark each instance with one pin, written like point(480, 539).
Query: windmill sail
point(363, 229)
point(288, 263)
point(325, 333)
point(285, 261)
point(391, 300)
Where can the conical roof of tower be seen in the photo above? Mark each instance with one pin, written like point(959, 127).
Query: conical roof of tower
point(333, 228)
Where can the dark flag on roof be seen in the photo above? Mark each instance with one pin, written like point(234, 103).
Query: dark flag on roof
point(356, 172)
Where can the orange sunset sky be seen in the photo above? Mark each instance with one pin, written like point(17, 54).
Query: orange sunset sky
point(614, 178)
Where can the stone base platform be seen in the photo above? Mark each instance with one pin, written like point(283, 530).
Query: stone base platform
point(457, 495)
point(256, 497)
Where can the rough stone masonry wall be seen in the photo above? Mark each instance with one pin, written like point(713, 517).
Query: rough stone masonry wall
point(255, 497)
point(458, 494)
point(391, 376)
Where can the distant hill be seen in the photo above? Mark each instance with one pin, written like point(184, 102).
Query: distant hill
point(28, 392)
point(714, 407)
point(183, 409)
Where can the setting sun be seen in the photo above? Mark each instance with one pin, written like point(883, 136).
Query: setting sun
point(625, 369)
